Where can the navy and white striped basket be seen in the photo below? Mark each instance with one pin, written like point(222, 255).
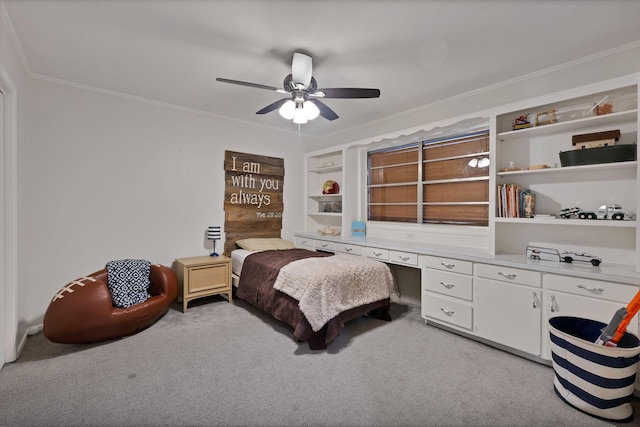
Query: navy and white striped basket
point(595, 379)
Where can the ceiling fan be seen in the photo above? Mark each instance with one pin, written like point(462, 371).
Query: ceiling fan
point(303, 102)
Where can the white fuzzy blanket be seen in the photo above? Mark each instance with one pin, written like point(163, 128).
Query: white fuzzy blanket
point(325, 287)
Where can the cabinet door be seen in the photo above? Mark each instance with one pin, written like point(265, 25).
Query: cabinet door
point(509, 314)
point(561, 304)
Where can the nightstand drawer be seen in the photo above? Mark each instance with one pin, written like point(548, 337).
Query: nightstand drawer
point(447, 264)
point(377, 253)
point(208, 277)
point(203, 276)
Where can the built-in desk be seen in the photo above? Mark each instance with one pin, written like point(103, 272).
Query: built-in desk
point(505, 300)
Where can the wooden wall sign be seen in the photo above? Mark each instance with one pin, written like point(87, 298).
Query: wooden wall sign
point(253, 197)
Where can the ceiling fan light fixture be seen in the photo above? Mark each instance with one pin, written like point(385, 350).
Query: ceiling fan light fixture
point(310, 109)
point(287, 110)
point(299, 116)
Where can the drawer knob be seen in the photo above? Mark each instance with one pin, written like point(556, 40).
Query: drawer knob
point(446, 285)
point(447, 312)
point(348, 249)
point(507, 276)
point(594, 290)
point(449, 266)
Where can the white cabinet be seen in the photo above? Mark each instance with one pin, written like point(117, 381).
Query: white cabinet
point(583, 186)
point(589, 299)
point(447, 295)
point(508, 307)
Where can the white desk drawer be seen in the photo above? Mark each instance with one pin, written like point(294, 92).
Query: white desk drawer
point(447, 264)
point(403, 257)
point(452, 284)
point(447, 310)
point(377, 253)
point(305, 242)
point(592, 288)
point(508, 274)
point(322, 245)
point(349, 249)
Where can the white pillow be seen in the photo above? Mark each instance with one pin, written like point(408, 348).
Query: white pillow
point(264, 244)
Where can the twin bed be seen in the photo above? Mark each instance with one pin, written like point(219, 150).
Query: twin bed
point(315, 293)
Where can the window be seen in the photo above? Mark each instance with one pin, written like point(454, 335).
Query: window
point(441, 181)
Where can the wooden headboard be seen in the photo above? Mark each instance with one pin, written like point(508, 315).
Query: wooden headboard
point(253, 202)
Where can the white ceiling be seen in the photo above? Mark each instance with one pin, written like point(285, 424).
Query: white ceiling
point(415, 52)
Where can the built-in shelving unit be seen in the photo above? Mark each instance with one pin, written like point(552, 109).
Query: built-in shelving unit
point(324, 210)
point(536, 151)
point(557, 187)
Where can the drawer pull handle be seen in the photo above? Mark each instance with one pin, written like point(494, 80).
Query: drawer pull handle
point(348, 249)
point(507, 276)
point(304, 242)
point(535, 300)
point(447, 312)
point(377, 253)
point(449, 266)
point(324, 245)
point(404, 258)
point(554, 304)
point(447, 285)
point(594, 290)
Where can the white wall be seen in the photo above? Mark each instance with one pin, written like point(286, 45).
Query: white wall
point(108, 178)
point(14, 81)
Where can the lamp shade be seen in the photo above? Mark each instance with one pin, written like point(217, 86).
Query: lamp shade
point(311, 111)
point(213, 233)
point(287, 109)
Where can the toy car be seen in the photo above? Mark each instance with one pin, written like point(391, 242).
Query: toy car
point(545, 254)
point(614, 212)
point(568, 212)
point(570, 257)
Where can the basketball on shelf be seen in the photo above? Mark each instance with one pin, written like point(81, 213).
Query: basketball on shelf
point(330, 187)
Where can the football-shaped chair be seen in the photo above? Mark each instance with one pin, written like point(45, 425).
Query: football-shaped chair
point(83, 312)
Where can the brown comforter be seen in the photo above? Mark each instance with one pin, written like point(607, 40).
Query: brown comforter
point(259, 273)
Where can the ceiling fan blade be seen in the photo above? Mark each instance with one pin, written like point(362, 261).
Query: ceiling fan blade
point(344, 92)
point(301, 68)
point(255, 85)
point(274, 106)
point(325, 111)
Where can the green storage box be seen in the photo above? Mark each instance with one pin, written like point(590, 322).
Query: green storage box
point(591, 156)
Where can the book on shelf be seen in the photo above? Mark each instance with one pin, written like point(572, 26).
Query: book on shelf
point(514, 201)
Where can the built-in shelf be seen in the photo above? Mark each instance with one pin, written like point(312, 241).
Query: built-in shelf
point(604, 120)
point(334, 168)
point(570, 169)
point(332, 197)
point(568, 222)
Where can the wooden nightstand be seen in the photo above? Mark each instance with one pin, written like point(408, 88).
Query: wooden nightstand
point(203, 276)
